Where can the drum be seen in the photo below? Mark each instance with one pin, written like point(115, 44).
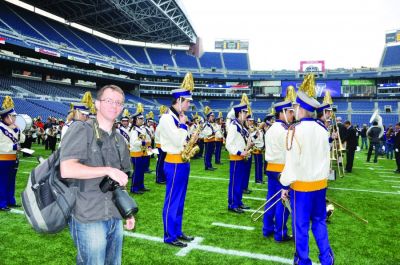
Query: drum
point(23, 122)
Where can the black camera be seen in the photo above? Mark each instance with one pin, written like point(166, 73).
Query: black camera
point(125, 204)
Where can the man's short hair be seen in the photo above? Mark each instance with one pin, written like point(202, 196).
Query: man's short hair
point(113, 88)
point(374, 123)
point(347, 122)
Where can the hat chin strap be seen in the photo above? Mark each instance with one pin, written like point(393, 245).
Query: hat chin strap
point(284, 115)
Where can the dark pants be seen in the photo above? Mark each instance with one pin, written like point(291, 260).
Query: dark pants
point(397, 156)
point(210, 146)
point(349, 159)
point(371, 145)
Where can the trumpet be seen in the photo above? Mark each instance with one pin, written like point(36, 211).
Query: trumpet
point(254, 215)
point(143, 148)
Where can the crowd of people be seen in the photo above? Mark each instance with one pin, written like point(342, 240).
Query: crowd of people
point(291, 146)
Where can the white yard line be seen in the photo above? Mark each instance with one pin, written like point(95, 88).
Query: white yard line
point(208, 178)
point(254, 198)
point(233, 226)
point(397, 181)
point(195, 245)
point(390, 177)
point(29, 161)
point(369, 191)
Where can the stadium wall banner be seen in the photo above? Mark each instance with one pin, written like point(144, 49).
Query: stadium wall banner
point(2, 40)
point(358, 82)
point(109, 66)
point(78, 59)
point(334, 86)
point(47, 52)
point(127, 70)
point(267, 83)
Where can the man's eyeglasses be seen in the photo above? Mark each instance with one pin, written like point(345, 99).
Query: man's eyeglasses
point(112, 102)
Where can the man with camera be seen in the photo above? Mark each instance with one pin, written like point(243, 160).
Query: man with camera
point(97, 158)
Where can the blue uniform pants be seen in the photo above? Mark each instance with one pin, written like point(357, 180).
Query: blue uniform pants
point(8, 172)
point(218, 148)
point(146, 160)
point(276, 218)
point(258, 167)
point(235, 191)
point(138, 174)
point(209, 152)
point(160, 176)
point(177, 175)
point(310, 207)
point(246, 173)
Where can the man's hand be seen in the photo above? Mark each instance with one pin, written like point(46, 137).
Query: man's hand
point(285, 195)
point(244, 154)
point(118, 176)
point(130, 223)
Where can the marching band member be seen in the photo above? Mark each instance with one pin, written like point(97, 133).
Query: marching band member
point(149, 131)
point(274, 221)
point(238, 149)
point(79, 111)
point(257, 137)
point(160, 175)
point(138, 148)
point(173, 137)
point(247, 126)
point(200, 141)
point(10, 139)
point(209, 138)
point(306, 173)
point(219, 138)
point(124, 128)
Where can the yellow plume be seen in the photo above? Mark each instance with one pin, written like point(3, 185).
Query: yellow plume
point(220, 114)
point(259, 120)
point(92, 109)
point(249, 111)
point(139, 108)
point(150, 115)
point(308, 85)
point(327, 97)
point(163, 109)
point(290, 94)
point(126, 113)
point(87, 99)
point(188, 82)
point(8, 103)
point(207, 110)
point(245, 99)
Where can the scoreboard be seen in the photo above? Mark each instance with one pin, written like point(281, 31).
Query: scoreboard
point(232, 45)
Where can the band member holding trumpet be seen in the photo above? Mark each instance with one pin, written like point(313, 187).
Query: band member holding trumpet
point(274, 222)
point(306, 173)
point(257, 137)
point(219, 138)
point(239, 150)
point(173, 139)
point(160, 175)
point(10, 139)
point(209, 138)
point(138, 149)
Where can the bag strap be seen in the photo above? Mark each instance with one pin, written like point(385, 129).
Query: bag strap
point(99, 142)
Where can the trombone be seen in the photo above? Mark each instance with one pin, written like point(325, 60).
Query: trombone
point(255, 217)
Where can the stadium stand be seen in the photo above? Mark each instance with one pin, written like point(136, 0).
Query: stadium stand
point(210, 60)
point(391, 56)
point(236, 61)
point(184, 60)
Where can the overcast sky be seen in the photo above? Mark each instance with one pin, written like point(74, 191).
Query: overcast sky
point(344, 33)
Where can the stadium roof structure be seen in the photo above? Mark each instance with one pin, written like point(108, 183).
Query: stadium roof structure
point(159, 21)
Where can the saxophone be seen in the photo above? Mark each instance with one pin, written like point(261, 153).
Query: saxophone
point(191, 148)
point(143, 148)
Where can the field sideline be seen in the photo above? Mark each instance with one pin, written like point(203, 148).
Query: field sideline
point(222, 237)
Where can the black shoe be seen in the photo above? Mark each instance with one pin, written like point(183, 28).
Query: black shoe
point(14, 205)
point(5, 209)
point(236, 210)
point(396, 171)
point(219, 163)
point(137, 192)
point(177, 243)
point(347, 171)
point(148, 171)
point(185, 238)
point(161, 182)
point(260, 182)
point(145, 189)
point(244, 207)
point(285, 239)
point(211, 168)
point(246, 191)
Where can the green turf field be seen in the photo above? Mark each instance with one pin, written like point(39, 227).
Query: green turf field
point(372, 191)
